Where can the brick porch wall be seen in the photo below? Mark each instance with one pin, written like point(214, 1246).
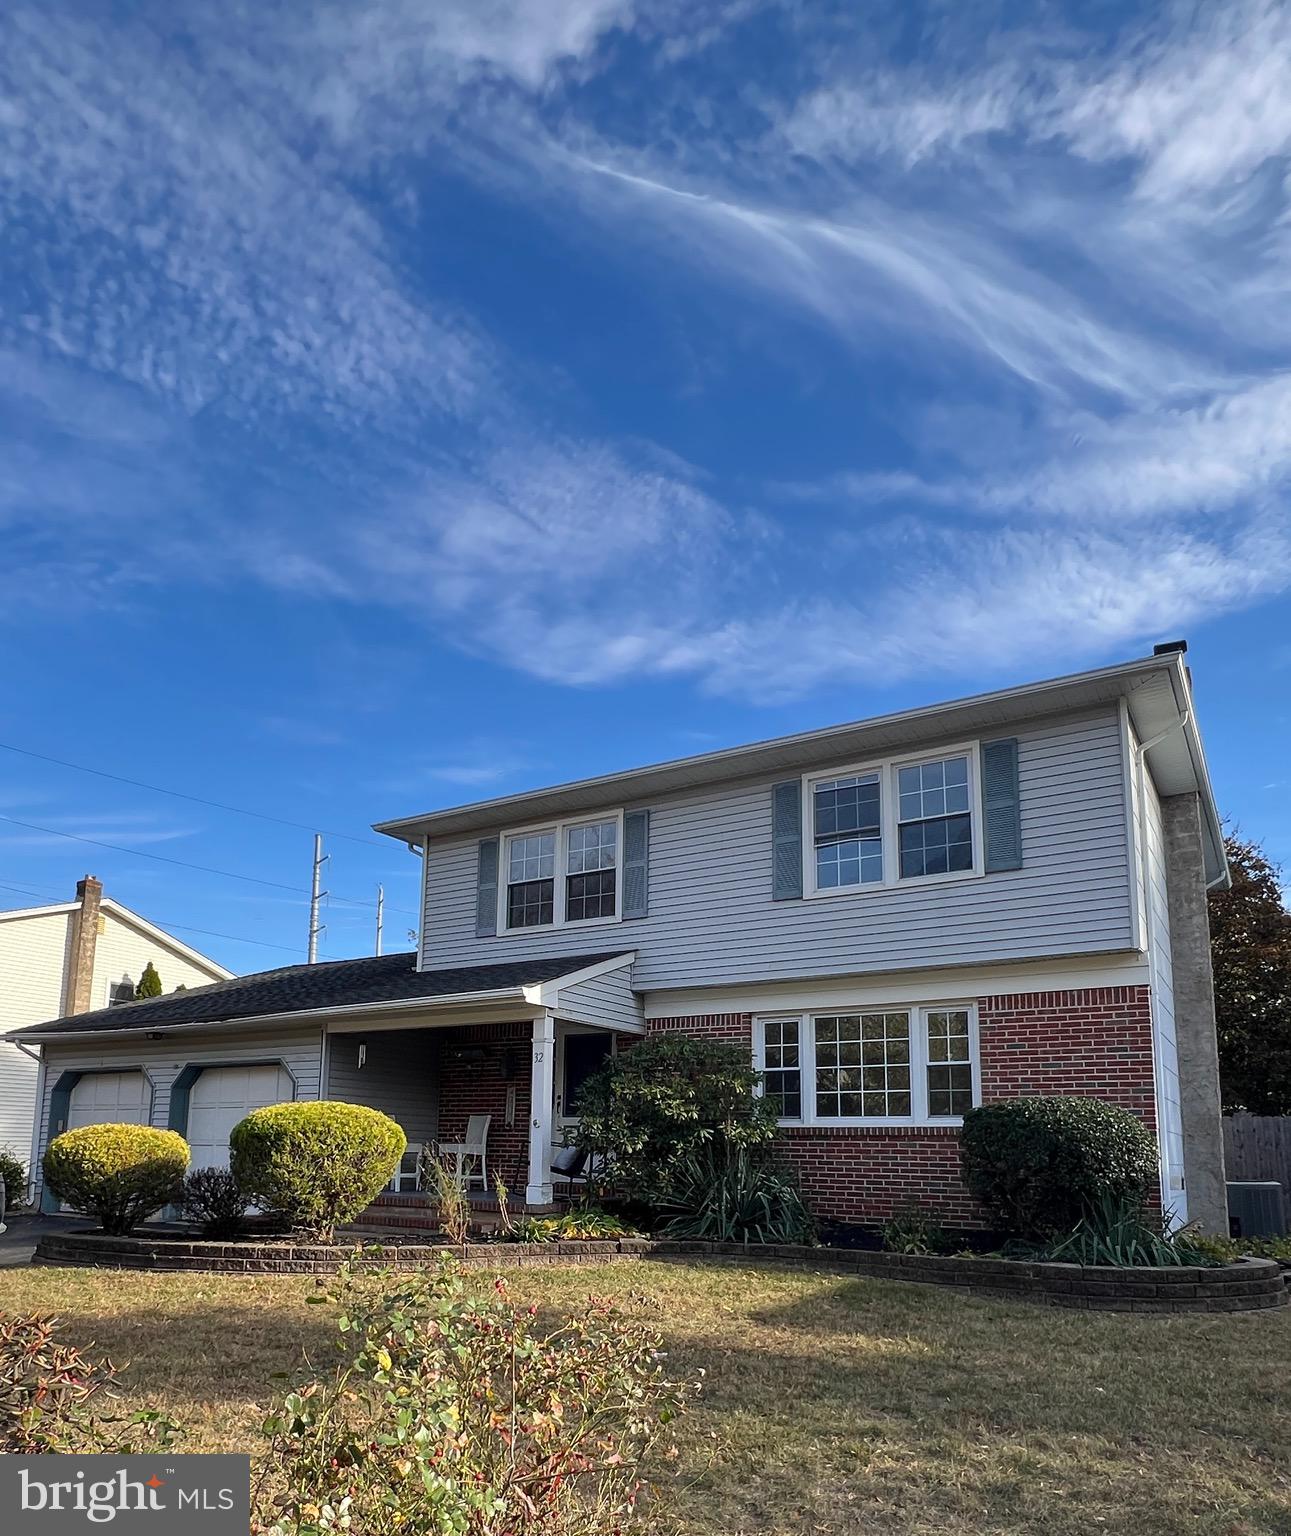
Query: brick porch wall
point(1092, 1041)
point(480, 1088)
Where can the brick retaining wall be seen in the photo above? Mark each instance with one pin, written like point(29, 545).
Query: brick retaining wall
point(1246, 1286)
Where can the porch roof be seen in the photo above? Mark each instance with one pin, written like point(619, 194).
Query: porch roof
point(373, 981)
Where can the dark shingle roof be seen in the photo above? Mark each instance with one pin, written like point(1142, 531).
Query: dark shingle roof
point(330, 984)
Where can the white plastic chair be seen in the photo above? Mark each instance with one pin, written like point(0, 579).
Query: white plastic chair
point(407, 1176)
point(472, 1149)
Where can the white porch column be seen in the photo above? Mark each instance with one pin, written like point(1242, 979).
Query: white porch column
point(542, 1086)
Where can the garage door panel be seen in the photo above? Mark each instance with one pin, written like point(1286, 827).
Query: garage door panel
point(221, 1097)
point(102, 1098)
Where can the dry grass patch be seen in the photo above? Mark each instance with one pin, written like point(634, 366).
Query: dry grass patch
point(830, 1405)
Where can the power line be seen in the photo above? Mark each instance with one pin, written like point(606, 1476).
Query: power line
point(158, 789)
point(234, 938)
point(204, 869)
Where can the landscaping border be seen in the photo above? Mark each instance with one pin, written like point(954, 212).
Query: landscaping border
point(1248, 1285)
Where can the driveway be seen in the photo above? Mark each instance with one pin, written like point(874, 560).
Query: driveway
point(18, 1243)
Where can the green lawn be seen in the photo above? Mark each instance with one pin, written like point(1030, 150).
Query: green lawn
point(830, 1405)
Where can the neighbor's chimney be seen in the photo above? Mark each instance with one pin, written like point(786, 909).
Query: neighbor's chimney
point(85, 938)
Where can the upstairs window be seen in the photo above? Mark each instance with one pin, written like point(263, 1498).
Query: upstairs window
point(531, 879)
point(591, 857)
point(568, 873)
point(848, 831)
point(935, 825)
point(887, 823)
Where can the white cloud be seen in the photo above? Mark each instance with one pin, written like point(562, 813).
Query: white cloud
point(1069, 252)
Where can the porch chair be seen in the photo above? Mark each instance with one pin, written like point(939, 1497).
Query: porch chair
point(473, 1147)
point(407, 1176)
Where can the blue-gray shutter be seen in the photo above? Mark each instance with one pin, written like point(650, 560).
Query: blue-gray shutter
point(1002, 807)
point(786, 840)
point(486, 889)
point(636, 863)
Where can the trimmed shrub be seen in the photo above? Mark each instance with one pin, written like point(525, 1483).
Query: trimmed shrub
point(119, 1174)
point(654, 1109)
point(1038, 1165)
point(316, 1162)
point(214, 1201)
point(13, 1174)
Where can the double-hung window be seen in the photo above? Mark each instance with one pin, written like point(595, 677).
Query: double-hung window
point(935, 824)
point(848, 830)
point(568, 873)
point(889, 823)
point(904, 1066)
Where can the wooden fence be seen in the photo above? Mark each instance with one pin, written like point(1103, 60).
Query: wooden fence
point(1259, 1147)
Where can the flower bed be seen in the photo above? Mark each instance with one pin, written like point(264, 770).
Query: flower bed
point(1244, 1286)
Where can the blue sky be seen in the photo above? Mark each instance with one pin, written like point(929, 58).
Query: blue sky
point(404, 403)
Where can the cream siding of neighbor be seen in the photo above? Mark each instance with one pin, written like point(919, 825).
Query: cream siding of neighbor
point(33, 965)
point(124, 949)
point(712, 920)
point(299, 1050)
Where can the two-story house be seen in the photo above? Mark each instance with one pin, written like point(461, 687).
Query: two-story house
point(898, 919)
point(72, 957)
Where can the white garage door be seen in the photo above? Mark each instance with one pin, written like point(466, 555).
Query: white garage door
point(102, 1098)
point(220, 1098)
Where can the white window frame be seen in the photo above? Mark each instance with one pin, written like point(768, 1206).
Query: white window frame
point(889, 820)
point(919, 1062)
point(561, 830)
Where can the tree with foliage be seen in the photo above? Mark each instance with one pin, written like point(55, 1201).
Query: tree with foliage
point(149, 984)
point(1250, 946)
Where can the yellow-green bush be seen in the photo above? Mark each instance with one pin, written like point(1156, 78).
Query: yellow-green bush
point(119, 1174)
point(316, 1162)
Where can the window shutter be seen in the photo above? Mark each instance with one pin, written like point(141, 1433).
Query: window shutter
point(486, 889)
point(786, 840)
point(1003, 811)
point(636, 863)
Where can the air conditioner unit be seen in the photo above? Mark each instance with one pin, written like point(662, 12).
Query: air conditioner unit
point(1255, 1208)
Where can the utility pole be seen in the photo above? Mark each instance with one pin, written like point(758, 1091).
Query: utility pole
point(381, 909)
point(315, 896)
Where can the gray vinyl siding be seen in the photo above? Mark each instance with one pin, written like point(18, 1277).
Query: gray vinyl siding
point(607, 1000)
point(400, 1077)
point(712, 918)
point(163, 1060)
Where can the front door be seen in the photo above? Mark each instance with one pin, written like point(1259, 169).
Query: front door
point(579, 1053)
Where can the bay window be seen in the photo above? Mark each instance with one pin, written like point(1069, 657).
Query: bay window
point(902, 1066)
point(536, 894)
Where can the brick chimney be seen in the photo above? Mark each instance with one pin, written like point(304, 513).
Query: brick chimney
point(85, 938)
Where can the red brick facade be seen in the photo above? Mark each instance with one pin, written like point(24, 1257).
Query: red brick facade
point(469, 1085)
point(1092, 1041)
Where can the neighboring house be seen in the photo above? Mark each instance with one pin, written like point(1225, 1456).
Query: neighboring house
point(69, 958)
point(897, 918)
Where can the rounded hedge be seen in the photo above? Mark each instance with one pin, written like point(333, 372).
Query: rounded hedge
point(119, 1174)
point(1037, 1164)
point(316, 1162)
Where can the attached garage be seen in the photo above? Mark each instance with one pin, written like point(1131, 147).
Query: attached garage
point(119, 1098)
point(217, 1098)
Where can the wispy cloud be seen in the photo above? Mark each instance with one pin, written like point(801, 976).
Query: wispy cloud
point(225, 252)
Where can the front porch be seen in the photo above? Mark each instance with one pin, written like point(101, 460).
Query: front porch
point(436, 1067)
